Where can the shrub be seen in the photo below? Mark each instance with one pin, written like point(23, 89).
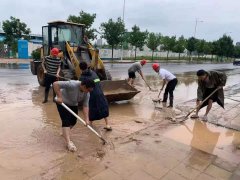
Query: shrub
point(36, 54)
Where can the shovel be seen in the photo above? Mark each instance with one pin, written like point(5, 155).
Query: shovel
point(60, 77)
point(185, 118)
point(157, 100)
point(95, 132)
point(148, 85)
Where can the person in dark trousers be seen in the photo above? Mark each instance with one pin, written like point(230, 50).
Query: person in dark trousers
point(207, 83)
point(98, 105)
point(51, 66)
point(135, 67)
point(170, 80)
point(71, 93)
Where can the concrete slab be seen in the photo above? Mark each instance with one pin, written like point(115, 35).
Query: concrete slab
point(218, 172)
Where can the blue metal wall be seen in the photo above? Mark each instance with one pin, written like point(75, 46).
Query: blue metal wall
point(22, 49)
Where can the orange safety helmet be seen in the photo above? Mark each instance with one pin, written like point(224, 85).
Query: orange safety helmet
point(143, 62)
point(155, 66)
point(54, 51)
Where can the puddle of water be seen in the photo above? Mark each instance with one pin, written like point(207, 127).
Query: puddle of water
point(206, 137)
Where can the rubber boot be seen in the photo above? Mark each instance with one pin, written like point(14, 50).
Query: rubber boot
point(46, 97)
point(171, 102)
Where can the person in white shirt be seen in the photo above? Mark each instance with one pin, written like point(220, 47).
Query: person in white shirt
point(169, 79)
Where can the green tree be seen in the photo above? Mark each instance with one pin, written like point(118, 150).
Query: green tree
point(237, 51)
point(211, 48)
point(191, 45)
point(125, 40)
point(2, 52)
point(226, 47)
point(137, 38)
point(208, 48)
point(215, 48)
point(87, 19)
point(180, 46)
point(14, 29)
point(153, 41)
point(200, 46)
point(168, 43)
point(113, 32)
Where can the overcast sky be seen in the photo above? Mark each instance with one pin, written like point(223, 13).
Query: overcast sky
point(169, 17)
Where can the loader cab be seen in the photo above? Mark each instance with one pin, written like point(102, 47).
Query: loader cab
point(58, 32)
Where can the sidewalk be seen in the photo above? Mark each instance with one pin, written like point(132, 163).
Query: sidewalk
point(149, 155)
point(163, 151)
point(14, 61)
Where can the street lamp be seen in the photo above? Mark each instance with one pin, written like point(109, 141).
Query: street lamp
point(195, 30)
point(123, 22)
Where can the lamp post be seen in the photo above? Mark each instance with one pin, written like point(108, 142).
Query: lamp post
point(123, 22)
point(195, 30)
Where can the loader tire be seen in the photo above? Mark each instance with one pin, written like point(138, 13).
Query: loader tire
point(41, 76)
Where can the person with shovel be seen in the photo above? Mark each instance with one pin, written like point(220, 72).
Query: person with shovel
point(51, 67)
point(211, 82)
point(170, 80)
point(98, 105)
point(135, 67)
point(71, 93)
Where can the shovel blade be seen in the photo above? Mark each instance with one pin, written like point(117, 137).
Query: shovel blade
point(156, 100)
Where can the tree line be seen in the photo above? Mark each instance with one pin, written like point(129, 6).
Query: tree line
point(116, 35)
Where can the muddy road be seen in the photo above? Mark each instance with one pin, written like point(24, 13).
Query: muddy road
point(31, 145)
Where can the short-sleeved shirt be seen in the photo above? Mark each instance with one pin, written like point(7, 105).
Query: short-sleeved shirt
point(71, 93)
point(165, 74)
point(135, 67)
point(52, 64)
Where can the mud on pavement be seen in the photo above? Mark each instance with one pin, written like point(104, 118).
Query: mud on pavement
point(144, 143)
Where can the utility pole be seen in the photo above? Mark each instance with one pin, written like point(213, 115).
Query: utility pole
point(195, 30)
point(123, 22)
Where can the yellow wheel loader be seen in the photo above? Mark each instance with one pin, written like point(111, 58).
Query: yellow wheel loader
point(74, 47)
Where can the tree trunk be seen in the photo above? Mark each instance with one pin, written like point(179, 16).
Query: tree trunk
point(135, 53)
point(152, 55)
point(190, 57)
point(212, 58)
point(112, 54)
point(179, 56)
point(167, 55)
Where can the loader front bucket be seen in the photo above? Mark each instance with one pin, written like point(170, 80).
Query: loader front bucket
point(118, 90)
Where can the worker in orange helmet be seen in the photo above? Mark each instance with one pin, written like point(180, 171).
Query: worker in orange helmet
point(170, 80)
point(51, 67)
point(135, 67)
